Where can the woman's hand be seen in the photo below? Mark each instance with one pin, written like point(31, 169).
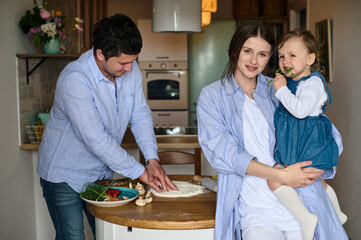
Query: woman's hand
point(297, 176)
point(294, 175)
point(279, 81)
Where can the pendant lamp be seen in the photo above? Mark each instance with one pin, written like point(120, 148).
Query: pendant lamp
point(208, 7)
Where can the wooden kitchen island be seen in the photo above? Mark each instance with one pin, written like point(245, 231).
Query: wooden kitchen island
point(164, 218)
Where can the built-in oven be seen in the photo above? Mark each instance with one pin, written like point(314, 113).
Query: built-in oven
point(165, 85)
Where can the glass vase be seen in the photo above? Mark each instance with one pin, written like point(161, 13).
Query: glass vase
point(52, 46)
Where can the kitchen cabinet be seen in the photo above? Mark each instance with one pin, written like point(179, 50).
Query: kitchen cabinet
point(161, 46)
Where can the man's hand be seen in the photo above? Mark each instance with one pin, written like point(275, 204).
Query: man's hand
point(144, 179)
point(157, 176)
point(279, 81)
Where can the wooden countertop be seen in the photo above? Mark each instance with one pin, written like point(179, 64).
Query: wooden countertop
point(164, 142)
point(188, 213)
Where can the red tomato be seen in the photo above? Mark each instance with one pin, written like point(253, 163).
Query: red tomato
point(115, 192)
point(109, 192)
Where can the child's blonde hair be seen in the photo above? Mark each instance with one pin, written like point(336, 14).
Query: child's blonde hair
point(308, 39)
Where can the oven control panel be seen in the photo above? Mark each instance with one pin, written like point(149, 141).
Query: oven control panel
point(163, 119)
point(166, 65)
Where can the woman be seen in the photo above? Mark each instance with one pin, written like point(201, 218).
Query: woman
point(237, 136)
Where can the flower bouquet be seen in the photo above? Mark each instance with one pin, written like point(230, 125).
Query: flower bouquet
point(47, 27)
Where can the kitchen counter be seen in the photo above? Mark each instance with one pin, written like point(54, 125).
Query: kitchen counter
point(163, 218)
point(164, 142)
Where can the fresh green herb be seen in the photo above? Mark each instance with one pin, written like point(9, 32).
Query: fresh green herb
point(287, 70)
point(96, 192)
point(268, 82)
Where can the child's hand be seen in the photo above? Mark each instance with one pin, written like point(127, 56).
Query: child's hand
point(279, 81)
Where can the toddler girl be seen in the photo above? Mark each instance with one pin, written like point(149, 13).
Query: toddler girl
point(302, 131)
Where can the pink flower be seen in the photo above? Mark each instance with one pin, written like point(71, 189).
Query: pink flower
point(62, 35)
point(44, 14)
point(77, 27)
point(79, 20)
point(34, 31)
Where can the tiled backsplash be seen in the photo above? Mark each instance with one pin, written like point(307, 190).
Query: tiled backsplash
point(38, 95)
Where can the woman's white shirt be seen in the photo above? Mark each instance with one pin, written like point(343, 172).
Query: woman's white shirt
point(258, 206)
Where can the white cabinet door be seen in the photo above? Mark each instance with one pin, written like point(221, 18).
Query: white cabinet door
point(109, 231)
point(161, 46)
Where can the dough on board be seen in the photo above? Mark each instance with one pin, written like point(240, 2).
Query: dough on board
point(185, 189)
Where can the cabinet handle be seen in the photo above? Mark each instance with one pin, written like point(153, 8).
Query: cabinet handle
point(169, 72)
point(164, 114)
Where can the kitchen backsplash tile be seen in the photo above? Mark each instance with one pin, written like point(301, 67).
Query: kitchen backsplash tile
point(38, 95)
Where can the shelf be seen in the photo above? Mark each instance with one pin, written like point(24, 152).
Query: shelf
point(47, 55)
point(43, 58)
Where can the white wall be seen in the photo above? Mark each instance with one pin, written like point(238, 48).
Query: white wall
point(16, 176)
point(346, 91)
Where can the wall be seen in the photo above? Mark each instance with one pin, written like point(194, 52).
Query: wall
point(16, 176)
point(37, 95)
point(345, 110)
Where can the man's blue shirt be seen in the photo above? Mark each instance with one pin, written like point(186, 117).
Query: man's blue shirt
point(81, 141)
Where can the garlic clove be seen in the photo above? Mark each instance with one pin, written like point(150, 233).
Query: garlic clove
point(149, 199)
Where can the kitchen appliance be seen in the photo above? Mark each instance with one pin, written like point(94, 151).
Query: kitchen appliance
point(164, 67)
point(177, 16)
point(165, 86)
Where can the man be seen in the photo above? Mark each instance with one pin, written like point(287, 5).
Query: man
point(96, 97)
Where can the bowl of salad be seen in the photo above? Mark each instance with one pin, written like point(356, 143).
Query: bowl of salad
point(109, 196)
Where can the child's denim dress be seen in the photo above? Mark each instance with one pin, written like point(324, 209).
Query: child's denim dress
point(305, 139)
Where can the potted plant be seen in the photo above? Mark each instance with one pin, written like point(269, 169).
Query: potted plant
point(47, 27)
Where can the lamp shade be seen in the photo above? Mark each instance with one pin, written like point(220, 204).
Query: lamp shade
point(177, 16)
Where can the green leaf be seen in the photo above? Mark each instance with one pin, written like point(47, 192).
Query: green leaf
point(95, 191)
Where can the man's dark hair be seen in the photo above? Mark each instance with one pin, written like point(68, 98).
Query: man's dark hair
point(116, 35)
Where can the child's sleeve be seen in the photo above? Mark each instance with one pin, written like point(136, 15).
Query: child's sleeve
point(308, 101)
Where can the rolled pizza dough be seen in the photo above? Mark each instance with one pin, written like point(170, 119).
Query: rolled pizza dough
point(185, 189)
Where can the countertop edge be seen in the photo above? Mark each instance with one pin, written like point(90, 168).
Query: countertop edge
point(171, 142)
